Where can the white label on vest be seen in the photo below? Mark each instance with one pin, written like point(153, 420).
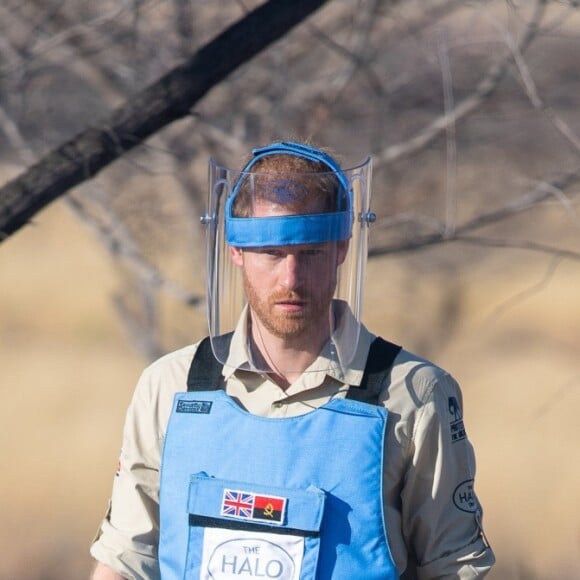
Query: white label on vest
point(235, 555)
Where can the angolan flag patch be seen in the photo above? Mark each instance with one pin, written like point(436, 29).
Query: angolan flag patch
point(246, 505)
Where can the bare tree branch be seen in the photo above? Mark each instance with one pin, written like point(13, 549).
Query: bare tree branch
point(112, 233)
point(9, 128)
point(558, 397)
point(183, 18)
point(120, 245)
point(528, 292)
point(63, 37)
point(450, 141)
point(527, 245)
point(538, 194)
point(144, 330)
point(532, 92)
point(530, 199)
point(484, 89)
point(164, 102)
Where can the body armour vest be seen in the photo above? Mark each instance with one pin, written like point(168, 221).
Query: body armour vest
point(297, 498)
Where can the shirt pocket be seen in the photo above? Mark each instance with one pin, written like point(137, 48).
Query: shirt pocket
point(245, 530)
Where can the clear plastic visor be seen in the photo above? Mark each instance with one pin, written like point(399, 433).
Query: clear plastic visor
point(286, 259)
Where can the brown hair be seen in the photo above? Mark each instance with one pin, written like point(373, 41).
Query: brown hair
point(294, 181)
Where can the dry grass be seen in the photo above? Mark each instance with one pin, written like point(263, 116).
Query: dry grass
point(68, 373)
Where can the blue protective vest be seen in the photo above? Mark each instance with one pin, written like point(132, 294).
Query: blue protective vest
point(243, 496)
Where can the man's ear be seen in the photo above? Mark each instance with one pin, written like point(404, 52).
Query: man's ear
point(237, 256)
point(342, 250)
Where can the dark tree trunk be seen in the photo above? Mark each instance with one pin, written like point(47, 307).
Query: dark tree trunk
point(167, 100)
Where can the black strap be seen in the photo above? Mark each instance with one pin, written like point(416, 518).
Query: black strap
point(381, 357)
point(205, 372)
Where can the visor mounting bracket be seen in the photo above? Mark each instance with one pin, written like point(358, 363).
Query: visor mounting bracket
point(369, 217)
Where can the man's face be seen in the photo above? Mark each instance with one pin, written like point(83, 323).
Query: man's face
point(289, 288)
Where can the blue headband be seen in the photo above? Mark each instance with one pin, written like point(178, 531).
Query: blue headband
point(293, 229)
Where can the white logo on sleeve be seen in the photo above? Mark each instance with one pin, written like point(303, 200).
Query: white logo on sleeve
point(233, 555)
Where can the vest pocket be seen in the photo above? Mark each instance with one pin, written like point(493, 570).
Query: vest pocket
point(244, 530)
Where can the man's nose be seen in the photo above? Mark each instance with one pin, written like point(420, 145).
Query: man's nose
point(291, 272)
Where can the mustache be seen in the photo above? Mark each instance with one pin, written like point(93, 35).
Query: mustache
point(287, 297)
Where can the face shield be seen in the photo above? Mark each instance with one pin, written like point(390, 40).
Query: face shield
point(286, 253)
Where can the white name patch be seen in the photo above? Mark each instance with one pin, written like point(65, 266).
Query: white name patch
point(235, 555)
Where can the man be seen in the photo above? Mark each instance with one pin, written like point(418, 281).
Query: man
point(304, 447)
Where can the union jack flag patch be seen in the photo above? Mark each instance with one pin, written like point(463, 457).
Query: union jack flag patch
point(237, 504)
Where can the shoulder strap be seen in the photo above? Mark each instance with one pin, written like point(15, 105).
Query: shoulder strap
point(382, 354)
point(205, 372)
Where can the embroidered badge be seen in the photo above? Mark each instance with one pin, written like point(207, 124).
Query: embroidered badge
point(269, 508)
point(197, 407)
point(249, 506)
point(237, 504)
point(456, 425)
point(464, 497)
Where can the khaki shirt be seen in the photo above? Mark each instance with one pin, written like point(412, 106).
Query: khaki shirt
point(432, 517)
